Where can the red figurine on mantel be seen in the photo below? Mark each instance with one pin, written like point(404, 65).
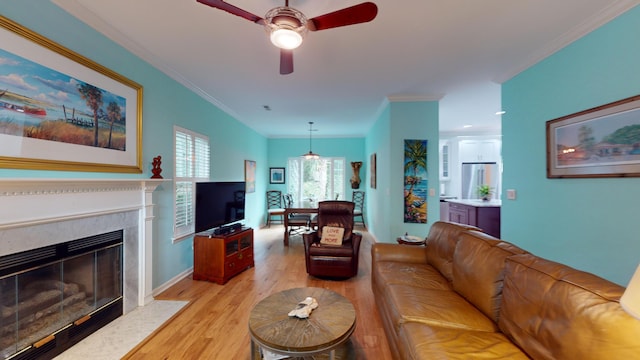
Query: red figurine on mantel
point(156, 170)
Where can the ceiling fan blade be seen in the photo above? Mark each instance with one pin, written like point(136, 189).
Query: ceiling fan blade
point(219, 4)
point(356, 14)
point(286, 61)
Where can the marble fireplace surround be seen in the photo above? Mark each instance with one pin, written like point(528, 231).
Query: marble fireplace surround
point(41, 212)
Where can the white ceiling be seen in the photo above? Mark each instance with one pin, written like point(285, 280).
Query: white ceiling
point(458, 51)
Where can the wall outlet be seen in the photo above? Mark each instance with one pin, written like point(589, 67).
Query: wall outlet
point(511, 194)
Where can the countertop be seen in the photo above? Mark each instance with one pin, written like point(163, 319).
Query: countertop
point(476, 203)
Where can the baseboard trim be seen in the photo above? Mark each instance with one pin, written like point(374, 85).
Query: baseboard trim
point(172, 281)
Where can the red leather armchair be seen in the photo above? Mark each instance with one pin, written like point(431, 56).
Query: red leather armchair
point(333, 261)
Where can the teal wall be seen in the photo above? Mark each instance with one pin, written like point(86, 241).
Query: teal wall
point(378, 200)
point(166, 103)
point(590, 224)
point(397, 122)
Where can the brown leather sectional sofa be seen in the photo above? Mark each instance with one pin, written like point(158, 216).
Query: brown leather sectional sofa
point(467, 295)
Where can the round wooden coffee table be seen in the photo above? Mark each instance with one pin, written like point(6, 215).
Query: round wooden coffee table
point(329, 325)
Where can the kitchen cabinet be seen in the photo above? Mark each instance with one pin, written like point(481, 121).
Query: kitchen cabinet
point(483, 214)
point(479, 151)
point(445, 160)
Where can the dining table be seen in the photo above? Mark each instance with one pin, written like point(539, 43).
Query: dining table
point(302, 207)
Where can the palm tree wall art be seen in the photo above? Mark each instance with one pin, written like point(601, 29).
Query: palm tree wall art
point(415, 181)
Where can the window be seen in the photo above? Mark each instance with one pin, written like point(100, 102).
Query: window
point(320, 179)
point(191, 165)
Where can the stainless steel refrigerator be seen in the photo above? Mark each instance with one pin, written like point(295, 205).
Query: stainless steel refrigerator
point(480, 173)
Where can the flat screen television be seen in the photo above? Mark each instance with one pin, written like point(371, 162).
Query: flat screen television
point(218, 204)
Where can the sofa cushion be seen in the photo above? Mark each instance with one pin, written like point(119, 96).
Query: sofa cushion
point(555, 312)
point(441, 243)
point(443, 308)
point(427, 342)
point(478, 270)
point(418, 275)
point(398, 253)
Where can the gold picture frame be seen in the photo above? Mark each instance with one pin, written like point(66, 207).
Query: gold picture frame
point(62, 111)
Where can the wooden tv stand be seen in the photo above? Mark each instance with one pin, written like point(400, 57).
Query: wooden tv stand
point(218, 258)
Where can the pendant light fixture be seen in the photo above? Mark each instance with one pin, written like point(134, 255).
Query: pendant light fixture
point(310, 155)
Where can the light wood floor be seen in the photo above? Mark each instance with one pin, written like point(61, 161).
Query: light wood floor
point(214, 324)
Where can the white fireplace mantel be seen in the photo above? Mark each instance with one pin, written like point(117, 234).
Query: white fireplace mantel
point(34, 202)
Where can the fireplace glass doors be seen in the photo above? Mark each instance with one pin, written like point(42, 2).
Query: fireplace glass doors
point(47, 292)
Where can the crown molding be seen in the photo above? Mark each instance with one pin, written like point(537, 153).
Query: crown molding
point(96, 22)
point(614, 10)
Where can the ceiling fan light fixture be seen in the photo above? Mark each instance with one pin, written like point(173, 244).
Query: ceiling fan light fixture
point(286, 39)
point(286, 27)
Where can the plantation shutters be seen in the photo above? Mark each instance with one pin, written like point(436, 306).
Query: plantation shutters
point(191, 166)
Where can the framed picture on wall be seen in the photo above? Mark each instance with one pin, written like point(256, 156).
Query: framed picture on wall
point(61, 111)
point(600, 142)
point(416, 182)
point(250, 175)
point(372, 168)
point(276, 175)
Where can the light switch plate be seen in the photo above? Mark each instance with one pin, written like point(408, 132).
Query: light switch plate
point(511, 194)
point(432, 192)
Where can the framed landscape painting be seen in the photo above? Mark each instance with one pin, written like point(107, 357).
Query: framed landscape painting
point(599, 142)
point(61, 111)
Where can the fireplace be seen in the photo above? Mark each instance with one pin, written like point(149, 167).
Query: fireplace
point(54, 296)
point(47, 213)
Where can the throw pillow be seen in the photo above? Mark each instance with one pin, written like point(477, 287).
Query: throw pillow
point(332, 235)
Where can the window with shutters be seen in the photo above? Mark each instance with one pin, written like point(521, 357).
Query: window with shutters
point(191, 166)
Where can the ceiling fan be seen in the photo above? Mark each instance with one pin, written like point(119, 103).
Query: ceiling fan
point(287, 26)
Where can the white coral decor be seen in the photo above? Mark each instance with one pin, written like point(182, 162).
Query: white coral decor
point(304, 308)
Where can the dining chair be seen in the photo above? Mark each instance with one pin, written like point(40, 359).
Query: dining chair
point(274, 206)
point(298, 223)
point(358, 200)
